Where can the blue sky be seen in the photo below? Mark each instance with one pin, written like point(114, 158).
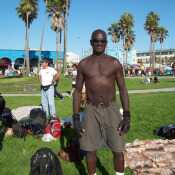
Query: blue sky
point(86, 16)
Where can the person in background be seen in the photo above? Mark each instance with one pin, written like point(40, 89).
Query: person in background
point(56, 92)
point(74, 75)
point(173, 69)
point(48, 76)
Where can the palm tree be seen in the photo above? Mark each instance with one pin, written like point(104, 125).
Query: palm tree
point(57, 25)
point(127, 34)
point(128, 43)
point(151, 26)
point(27, 11)
point(55, 11)
point(65, 7)
point(58, 11)
point(162, 35)
point(122, 31)
point(42, 37)
point(114, 31)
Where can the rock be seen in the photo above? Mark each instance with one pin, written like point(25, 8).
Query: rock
point(151, 157)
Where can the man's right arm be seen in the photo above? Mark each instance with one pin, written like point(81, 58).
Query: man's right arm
point(77, 91)
point(76, 100)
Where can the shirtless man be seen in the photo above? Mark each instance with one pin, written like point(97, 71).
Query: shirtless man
point(103, 125)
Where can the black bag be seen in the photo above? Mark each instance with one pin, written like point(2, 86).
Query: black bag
point(45, 162)
point(7, 118)
point(45, 88)
point(35, 124)
point(167, 131)
point(19, 130)
point(38, 117)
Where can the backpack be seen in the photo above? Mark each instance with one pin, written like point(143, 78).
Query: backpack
point(45, 162)
point(35, 124)
point(38, 117)
point(54, 128)
point(167, 131)
point(7, 118)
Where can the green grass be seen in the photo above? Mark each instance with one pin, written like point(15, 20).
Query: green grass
point(149, 111)
point(26, 85)
point(137, 83)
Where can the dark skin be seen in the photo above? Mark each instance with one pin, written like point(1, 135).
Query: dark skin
point(100, 73)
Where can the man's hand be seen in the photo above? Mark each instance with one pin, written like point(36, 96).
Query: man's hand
point(124, 125)
point(77, 124)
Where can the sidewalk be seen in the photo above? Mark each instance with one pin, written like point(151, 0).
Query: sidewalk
point(130, 92)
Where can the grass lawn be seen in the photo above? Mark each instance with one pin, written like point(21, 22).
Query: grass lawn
point(26, 85)
point(137, 83)
point(149, 111)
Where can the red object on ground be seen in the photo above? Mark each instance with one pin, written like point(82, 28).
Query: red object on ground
point(54, 128)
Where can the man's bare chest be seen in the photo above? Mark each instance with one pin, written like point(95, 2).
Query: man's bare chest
point(99, 70)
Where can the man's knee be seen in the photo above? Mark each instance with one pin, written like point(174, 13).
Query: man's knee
point(91, 162)
point(91, 154)
point(118, 155)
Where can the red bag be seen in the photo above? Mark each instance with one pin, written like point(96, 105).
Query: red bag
point(54, 128)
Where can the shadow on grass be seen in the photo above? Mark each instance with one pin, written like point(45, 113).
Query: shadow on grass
point(71, 151)
point(2, 134)
point(101, 168)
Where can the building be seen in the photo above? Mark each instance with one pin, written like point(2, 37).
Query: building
point(162, 57)
point(16, 57)
point(33, 54)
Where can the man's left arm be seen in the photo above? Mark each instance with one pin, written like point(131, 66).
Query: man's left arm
point(125, 123)
point(56, 76)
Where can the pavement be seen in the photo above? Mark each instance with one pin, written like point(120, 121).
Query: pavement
point(129, 91)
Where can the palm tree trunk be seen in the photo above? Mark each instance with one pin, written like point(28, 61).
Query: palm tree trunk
point(65, 41)
point(160, 59)
point(27, 46)
point(126, 57)
point(25, 49)
point(123, 61)
point(41, 42)
point(153, 55)
point(58, 46)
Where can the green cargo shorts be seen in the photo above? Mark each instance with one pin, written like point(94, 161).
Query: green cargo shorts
point(100, 124)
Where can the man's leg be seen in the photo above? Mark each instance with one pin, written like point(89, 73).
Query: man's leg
point(118, 162)
point(50, 94)
point(91, 162)
point(44, 102)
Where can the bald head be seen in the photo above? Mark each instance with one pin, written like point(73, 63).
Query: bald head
point(98, 41)
point(94, 33)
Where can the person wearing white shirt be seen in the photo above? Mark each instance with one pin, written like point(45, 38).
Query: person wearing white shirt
point(48, 76)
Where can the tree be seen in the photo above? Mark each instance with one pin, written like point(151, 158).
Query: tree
point(162, 35)
point(122, 31)
point(128, 43)
point(42, 37)
point(127, 34)
point(58, 11)
point(65, 7)
point(57, 25)
point(151, 26)
point(27, 11)
point(114, 31)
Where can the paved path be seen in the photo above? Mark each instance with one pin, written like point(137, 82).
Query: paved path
point(130, 92)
